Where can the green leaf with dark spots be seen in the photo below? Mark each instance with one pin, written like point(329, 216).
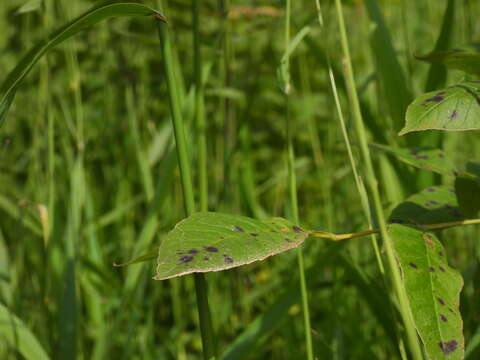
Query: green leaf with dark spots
point(465, 61)
point(433, 205)
point(208, 241)
point(426, 158)
point(456, 108)
point(467, 188)
point(433, 290)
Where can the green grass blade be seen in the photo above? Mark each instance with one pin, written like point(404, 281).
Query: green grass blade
point(390, 72)
point(17, 335)
point(87, 19)
point(437, 74)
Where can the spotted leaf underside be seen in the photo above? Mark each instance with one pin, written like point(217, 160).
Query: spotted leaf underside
point(433, 290)
point(426, 158)
point(433, 205)
point(208, 241)
point(456, 108)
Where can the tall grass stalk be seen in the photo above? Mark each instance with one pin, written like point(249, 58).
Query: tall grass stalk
point(372, 184)
point(292, 184)
point(358, 182)
point(200, 110)
point(206, 327)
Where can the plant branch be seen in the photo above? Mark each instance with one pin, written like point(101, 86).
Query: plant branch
point(427, 227)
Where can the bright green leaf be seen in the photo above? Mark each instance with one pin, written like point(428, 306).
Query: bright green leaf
point(433, 205)
point(456, 108)
point(209, 241)
point(87, 19)
point(433, 290)
point(426, 158)
point(468, 62)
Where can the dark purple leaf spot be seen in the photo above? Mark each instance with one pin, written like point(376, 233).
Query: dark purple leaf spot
point(449, 309)
point(441, 93)
point(273, 231)
point(453, 115)
point(297, 229)
point(238, 229)
point(413, 265)
point(253, 234)
point(440, 300)
point(440, 253)
point(185, 259)
point(227, 259)
point(431, 269)
point(443, 318)
point(441, 269)
point(431, 189)
point(441, 155)
point(206, 258)
point(193, 251)
point(421, 157)
point(288, 240)
point(210, 249)
point(448, 346)
point(436, 98)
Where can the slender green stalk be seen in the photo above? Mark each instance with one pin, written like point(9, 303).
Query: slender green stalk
point(358, 182)
point(206, 327)
point(373, 187)
point(427, 227)
point(200, 110)
point(292, 184)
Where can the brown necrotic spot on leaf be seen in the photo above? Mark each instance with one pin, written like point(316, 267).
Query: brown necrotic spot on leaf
point(297, 229)
point(448, 346)
point(185, 259)
point(441, 268)
point(436, 98)
point(210, 249)
point(238, 229)
point(206, 258)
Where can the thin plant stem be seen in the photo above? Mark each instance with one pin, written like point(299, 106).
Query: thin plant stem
point(372, 184)
point(292, 183)
point(206, 327)
point(358, 182)
point(427, 227)
point(200, 110)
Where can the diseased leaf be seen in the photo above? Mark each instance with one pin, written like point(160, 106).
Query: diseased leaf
point(87, 19)
point(433, 205)
point(456, 108)
point(468, 62)
point(433, 290)
point(426, 158)
point(208, 241)
point(467, 188)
